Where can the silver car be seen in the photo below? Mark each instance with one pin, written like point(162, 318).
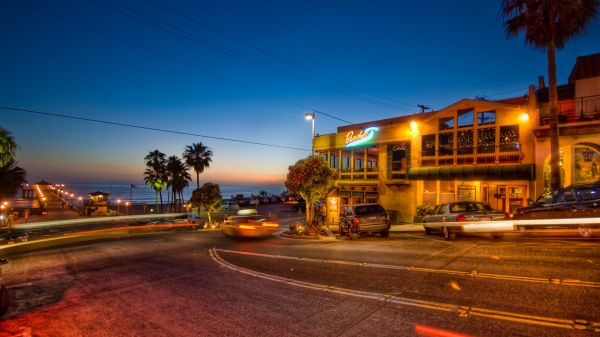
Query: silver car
point(466, 217)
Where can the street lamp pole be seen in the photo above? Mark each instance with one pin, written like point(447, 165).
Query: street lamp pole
point(310, 116)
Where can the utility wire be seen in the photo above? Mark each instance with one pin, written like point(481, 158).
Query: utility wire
point(181, 62)
point(147, 128)
point(165, 26)
point(266, 52)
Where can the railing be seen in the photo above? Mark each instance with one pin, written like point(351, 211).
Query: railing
point(509, 153)
point(359, 175)
point(581, 109)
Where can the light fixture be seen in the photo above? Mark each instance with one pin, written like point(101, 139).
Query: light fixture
point(309, 116)
point(524, 117)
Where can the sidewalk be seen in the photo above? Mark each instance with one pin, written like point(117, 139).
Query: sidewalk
point(409, 227)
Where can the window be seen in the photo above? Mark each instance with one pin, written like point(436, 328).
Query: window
point(399, 156)
point(509, 138)
point(589, 193)
point(464, 138)
point(447, 123)
point(465, 118)
point(486, 140)
point(565, 196)
point(443, 209)
point(486, 117)
point(428, 145)
point(446, 144)
point(324, 156)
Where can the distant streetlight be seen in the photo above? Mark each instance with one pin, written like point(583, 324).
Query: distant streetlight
point(118, 205)
point(310, 116)
point(127, 207)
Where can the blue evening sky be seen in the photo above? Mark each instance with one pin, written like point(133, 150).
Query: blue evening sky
point(82, 58)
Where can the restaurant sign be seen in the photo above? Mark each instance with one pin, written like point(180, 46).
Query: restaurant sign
point(362, 137)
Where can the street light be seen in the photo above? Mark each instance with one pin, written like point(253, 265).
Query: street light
point(118, 205)
point(310, 116)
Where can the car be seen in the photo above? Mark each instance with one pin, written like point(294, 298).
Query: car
point(466, 217)
point(575, 201)
point(364, 218)
point(10, 234)
point(251, 226)
point(229, 205)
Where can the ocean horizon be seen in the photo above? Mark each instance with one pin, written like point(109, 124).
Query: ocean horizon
point(143, 194)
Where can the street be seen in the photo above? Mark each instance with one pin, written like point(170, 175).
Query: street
point(203, 283)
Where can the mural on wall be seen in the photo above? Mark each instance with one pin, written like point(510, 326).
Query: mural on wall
point(587, 165)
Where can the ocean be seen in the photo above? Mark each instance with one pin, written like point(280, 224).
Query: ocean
point(143, 194)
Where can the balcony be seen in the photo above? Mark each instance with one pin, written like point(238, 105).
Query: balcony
point(368, 173)
point(503, 154)
point(583, 109)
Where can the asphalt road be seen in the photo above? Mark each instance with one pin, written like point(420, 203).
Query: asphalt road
point(204, 284)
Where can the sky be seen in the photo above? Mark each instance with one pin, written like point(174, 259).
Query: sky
point(244, 70)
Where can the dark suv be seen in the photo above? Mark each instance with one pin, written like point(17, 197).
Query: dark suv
point(575, 201)
point(364, 218)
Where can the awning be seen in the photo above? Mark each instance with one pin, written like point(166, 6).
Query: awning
point(483, 172)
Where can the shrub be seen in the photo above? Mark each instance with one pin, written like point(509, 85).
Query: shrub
point(424, 210)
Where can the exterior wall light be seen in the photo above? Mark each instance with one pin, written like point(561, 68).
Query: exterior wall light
point(524, 117)
point(414, 128)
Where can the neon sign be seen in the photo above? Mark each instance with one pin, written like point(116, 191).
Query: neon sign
point(362, 137)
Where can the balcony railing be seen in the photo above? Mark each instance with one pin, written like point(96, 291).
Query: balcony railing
point(581, 109)
point(369, 173)
point(472, 155)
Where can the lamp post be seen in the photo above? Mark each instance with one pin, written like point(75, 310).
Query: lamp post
point(118, 205)
point(310, 116)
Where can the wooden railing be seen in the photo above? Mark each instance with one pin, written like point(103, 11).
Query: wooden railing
point(581, 109)
point(472, 155)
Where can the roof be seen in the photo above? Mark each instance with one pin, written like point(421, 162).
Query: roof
point(387, 121)
point(585, 67)
point(99, 193)
point(520, 100)
point(565, 92)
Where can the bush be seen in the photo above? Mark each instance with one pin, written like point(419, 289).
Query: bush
point(297, 228)
point(424, 210)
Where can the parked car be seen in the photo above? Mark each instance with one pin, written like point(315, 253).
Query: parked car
point(252, 226)
point(10, 234)
point(466, 217)
point(364, 218)
point(575, 201)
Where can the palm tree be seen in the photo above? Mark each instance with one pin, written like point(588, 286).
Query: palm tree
point(178, 177)
point(549, 25)
point(7, 147)
point(11, 178)
point(199, 157)
point(155, 181)
point(155, 174)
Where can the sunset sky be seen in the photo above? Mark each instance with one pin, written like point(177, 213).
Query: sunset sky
point(245, 70)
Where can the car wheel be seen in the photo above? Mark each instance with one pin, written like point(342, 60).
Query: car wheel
point(585, 231)
point(385, 233)
point(497, 236)
point(447, 234)
point(4, 300)
point(521, 228)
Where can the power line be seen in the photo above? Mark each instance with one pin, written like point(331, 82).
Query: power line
point(264, 51)
point(148, 128)
point(181, 62)
point(165, 26)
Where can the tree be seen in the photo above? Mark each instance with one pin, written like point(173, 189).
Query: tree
point(310, 178)
point(155, 175)
point(209, 197)
point(8, 146)
point(177, 177)
point(549, 25)
point(11, 178)
point(199, 157)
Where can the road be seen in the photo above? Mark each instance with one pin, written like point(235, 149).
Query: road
point(204, 284)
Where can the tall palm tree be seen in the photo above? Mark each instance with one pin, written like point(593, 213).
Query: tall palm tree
point(156, 164)
point(11, 178)
point(8, 147)
point(178, 177)
point(154, 179)
point(198, 156)
point(549, 25)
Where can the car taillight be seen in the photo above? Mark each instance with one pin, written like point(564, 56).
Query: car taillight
point(356, 221)
point(460, 217)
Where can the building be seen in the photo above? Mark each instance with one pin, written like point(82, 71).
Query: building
point(491, 151)
point(98, 204)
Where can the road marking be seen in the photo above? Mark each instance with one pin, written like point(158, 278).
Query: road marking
point(472, 273)
point(462, 311)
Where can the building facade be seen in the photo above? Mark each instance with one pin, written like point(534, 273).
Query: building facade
point(491, 151)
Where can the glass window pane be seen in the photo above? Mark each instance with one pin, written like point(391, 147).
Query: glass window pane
point(486, 140)
point(509, 138)
point(428, 145)
point(486, 117)
point(465, 117)
point(446, 123)
point(464, 139)
point(446, 143)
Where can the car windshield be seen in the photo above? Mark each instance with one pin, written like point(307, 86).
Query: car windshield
point(369, 209)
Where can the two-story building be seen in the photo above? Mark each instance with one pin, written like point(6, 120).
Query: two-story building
point(491, 151)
